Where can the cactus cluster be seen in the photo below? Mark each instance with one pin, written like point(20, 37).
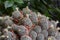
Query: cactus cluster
point(28, 25)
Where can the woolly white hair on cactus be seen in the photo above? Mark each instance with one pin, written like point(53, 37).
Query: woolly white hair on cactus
point(52, 26)
point(39, 14)
point(58, 28)
point(27, 15)
point(1, 17)
point(7, 36)
point(54, 23)
point(57, 22)
point(47, 17)
point(51, 38)
point(6, 30)
point(17, 8)
point(28, 8)
point(6, 17)
point(9, 27)
point(3, 36)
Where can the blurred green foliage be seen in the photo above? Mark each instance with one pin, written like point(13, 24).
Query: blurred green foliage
point(7, 6)
point(46, 7)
